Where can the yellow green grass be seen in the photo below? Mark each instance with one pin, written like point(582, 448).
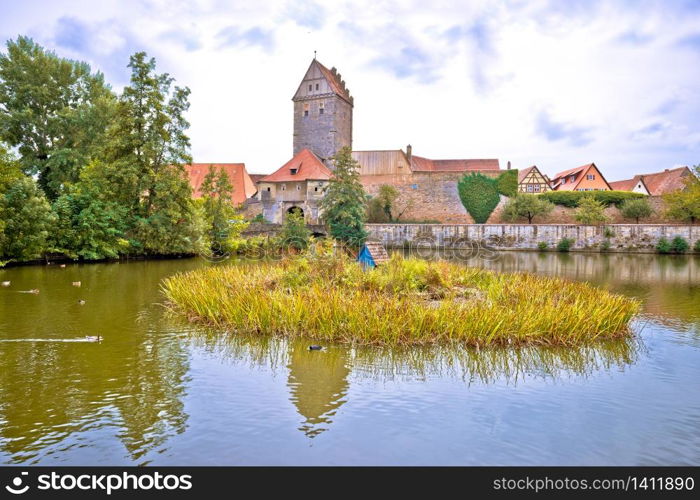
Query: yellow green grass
point(406, 301)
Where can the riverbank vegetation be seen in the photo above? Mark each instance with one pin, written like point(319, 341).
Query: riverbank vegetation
point(407, 301)
point(89, 174)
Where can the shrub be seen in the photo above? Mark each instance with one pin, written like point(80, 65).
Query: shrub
point(507, 183)
point(696, 247)
point(295, 234)
point(605, 246)
point(679, 245)
point(526, 206)
point(571, 199)
point(663, 246)
point(259, 219)
point(590, 211)
point(542, 246)
point(479, 196)
point(608, 232)
point(636, 209)
point(565, 244)
point(684, 204)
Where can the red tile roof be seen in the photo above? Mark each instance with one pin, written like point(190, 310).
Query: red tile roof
point(307, 165)
point(667, 181)
point(627, 184)
point(578, 173)
point(420, 164)
point(257, 178)
point(333, 78)
point(243, 187)
point(571, 171)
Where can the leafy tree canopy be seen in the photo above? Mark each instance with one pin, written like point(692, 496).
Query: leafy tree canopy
point(53, 110)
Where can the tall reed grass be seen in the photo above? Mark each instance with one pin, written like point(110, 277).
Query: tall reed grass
point(406, 301)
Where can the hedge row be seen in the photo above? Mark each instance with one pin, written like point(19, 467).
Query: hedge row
point(507, 183)
point(479, 195)
point(572, 198)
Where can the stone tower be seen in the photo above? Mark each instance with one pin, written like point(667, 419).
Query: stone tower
point(322, 113)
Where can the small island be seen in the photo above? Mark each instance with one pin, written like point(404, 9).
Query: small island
point(404, 302)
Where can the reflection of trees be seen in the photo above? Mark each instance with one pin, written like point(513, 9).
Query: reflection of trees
point(318, 384)
point(493, 365)
point(133, 380)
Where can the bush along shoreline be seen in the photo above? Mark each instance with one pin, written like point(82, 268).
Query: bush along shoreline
point(406, 301)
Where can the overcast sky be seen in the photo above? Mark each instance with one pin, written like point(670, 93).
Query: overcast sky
point(556, 84)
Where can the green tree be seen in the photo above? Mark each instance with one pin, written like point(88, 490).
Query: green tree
point(636, 209)
point(527, 206)
point(144, 163)
point(223, 221)
point(25, 214)
point(54, 110)
point(295, 234)
point(89, 225)
point(590, 211)
point(344, 205)
point(684, 204)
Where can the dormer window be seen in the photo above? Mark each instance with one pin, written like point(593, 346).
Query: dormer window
point(310, 88)
point(293, 171)
point(317, 86)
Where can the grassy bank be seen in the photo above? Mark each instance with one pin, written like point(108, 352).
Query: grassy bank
point(406, 301)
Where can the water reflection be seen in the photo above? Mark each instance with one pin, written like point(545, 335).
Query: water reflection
point(162, 392)
point(130, 385)
point(318, 385)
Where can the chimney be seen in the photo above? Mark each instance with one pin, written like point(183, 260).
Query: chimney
point(409, 152)
point(508, 164)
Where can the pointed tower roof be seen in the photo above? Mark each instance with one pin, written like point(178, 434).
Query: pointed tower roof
point(303, 167)
point(335, 81)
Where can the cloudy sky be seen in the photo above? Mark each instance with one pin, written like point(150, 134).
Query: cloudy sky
point(556, 84)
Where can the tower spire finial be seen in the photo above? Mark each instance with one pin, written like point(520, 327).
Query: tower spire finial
point(314, 55)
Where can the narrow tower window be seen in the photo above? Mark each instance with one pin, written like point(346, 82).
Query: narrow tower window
point(306, 110)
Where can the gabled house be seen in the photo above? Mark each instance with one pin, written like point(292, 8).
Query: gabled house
point(531, 180)
point(584, 178)
point(636, 185)
point(657, 183)
point(297, 185)
point(669, 180)
point(243, 185)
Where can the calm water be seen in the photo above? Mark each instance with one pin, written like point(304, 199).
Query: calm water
point(158, 392)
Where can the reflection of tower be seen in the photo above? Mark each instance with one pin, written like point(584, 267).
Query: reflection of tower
point(318, 385)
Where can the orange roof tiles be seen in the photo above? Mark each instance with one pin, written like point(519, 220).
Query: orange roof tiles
point(626, 184)
point(243, 187)
point(667, 181)
point(304, 166)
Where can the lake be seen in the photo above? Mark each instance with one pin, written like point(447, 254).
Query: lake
point(157, 391)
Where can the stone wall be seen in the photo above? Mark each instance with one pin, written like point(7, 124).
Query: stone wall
point(624, 237)
point(430, 195)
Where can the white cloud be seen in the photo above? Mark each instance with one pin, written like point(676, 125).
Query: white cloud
point(555, 85)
